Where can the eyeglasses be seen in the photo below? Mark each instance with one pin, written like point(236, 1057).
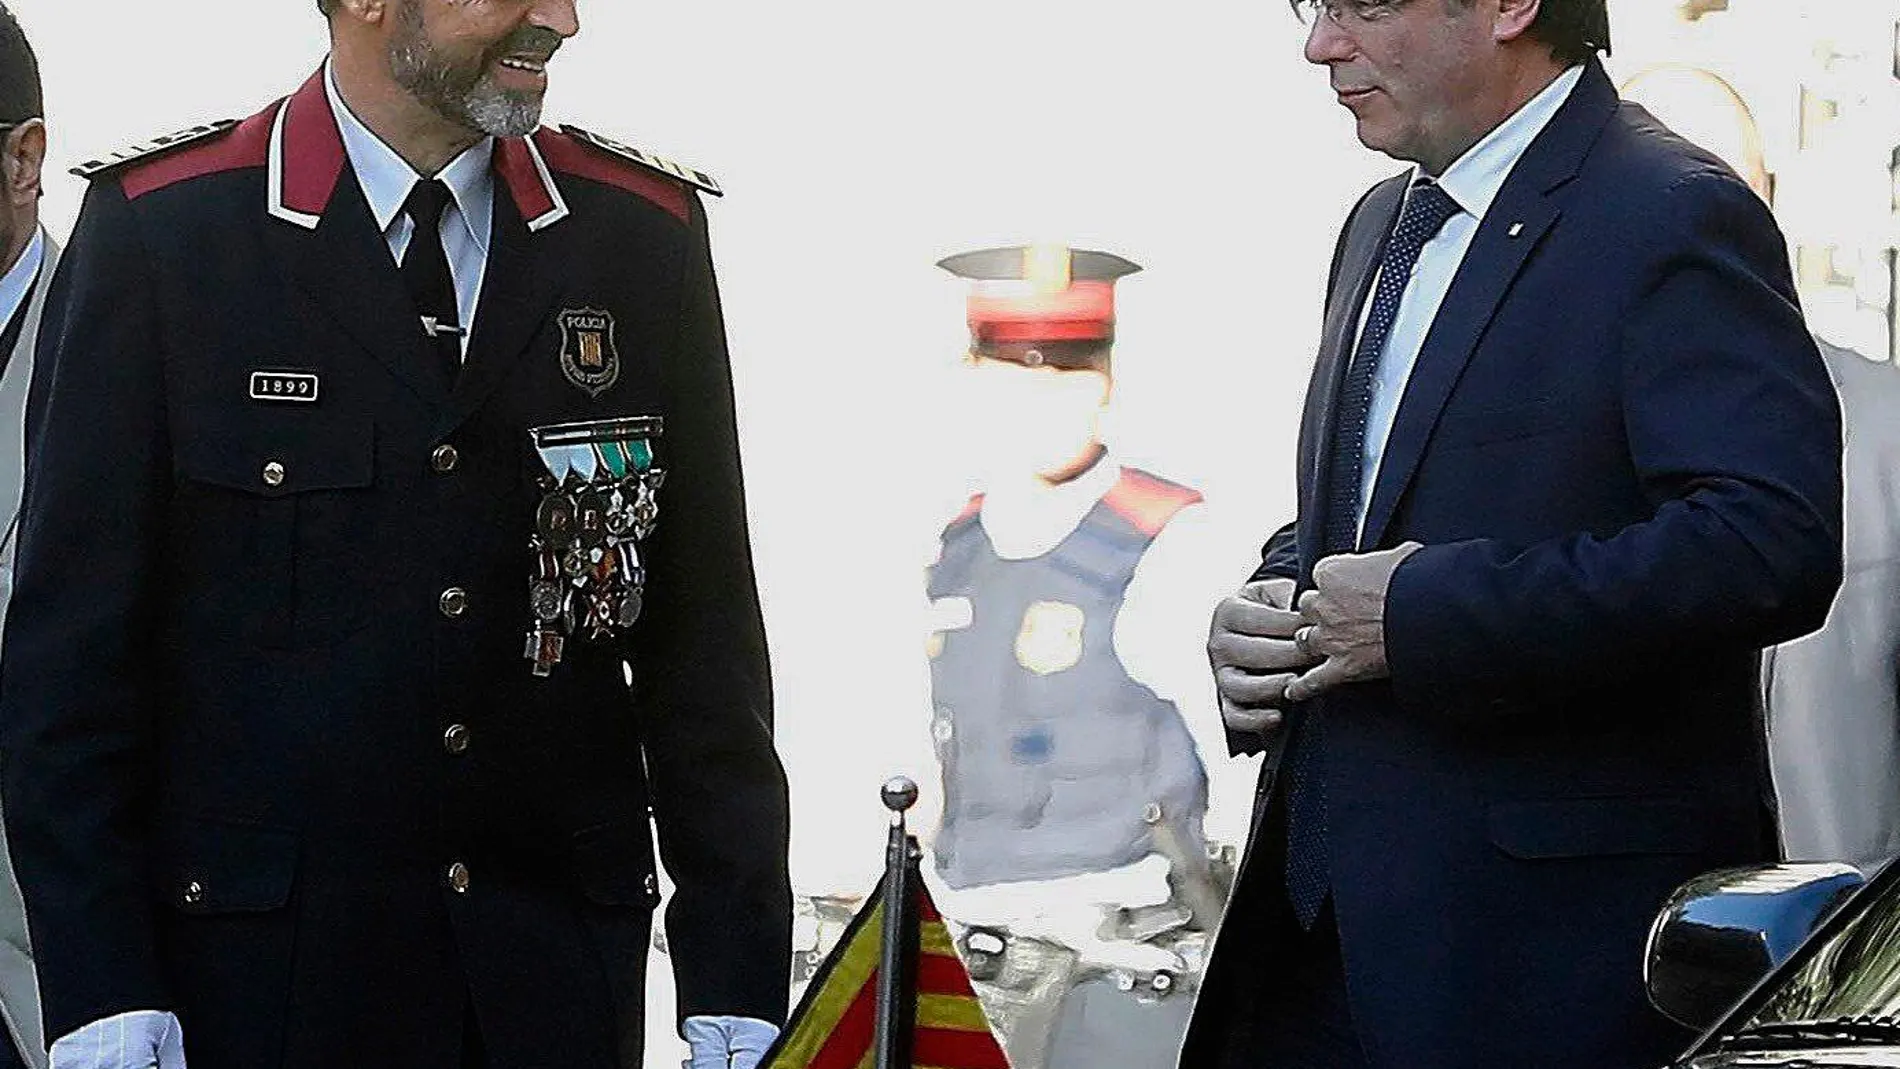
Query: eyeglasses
point(1348, 15)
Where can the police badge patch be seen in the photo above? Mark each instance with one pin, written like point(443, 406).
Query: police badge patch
point(1051, 638)
point(589, 358)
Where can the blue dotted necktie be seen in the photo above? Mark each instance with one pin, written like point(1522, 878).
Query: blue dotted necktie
point(1427, 208)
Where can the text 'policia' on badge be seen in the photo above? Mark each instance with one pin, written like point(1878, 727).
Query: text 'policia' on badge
point(294, 387)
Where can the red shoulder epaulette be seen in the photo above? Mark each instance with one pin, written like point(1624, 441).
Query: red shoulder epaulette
point(574, 151)
point(227, 145)
point(970, 512)
point(1148, 501)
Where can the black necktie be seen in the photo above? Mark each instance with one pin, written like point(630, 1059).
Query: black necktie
point(425, 273)
point(1427, 209)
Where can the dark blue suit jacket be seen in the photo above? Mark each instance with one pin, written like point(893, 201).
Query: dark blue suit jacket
point(1621, 451)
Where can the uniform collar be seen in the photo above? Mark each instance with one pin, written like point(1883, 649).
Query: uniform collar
point(310, 146)
point(1475, 178)
point(387, 179)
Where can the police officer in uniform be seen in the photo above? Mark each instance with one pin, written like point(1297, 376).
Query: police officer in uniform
point(383, 579)
point(1071, 840)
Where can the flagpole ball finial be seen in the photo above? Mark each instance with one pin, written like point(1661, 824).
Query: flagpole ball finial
point(900, 793)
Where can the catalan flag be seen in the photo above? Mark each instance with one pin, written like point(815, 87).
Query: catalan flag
point(835, 1025)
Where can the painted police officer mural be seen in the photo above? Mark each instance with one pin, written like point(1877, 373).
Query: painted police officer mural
point(1071, 850)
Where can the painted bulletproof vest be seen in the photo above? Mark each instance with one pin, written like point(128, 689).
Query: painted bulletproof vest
point(1055, 761)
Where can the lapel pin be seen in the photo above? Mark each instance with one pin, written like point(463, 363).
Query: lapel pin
point(1517, 230)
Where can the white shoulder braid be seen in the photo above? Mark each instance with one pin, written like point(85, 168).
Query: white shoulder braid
point(157, 146)
point(696, 178)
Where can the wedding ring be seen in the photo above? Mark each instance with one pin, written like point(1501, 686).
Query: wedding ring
point(1303, 640)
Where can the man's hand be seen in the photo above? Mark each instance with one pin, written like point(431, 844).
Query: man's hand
point(141, 1039)
point(1343, 620)
point(1250, 647)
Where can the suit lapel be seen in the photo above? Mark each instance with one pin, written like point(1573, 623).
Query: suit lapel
point(1525, 210)
point(1367, 231)
point(346, 269)
point(325, 240)
point(517, 291)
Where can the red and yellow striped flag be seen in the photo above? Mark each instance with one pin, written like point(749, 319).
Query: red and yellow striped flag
point(836, 1021)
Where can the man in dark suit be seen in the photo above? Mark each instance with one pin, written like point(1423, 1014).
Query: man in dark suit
point(1569, 460)
point(283, 789)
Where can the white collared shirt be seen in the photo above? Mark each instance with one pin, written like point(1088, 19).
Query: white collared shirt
point(17, 284)
point(1473, 181)
point(387, 179)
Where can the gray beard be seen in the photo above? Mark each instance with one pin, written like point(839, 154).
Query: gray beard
point(477, 104)
point(495, 111)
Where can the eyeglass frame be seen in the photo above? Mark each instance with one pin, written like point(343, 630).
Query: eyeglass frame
point(1347, 15)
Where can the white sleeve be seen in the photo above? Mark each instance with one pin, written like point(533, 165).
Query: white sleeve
point(1161, 638)
point(140, 1039)
point(726, 1042)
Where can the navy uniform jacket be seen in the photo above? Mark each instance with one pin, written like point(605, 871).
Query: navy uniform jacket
point(1622, 452)
point(231, 666)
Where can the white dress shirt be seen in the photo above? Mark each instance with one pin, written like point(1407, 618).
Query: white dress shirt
point(386, 179)
point(1473, 181)
point(17, 284)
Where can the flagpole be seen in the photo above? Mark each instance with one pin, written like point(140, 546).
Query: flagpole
point(896, 984)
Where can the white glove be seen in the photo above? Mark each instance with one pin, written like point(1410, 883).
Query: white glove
point(723, 1042)
point(141, 1039)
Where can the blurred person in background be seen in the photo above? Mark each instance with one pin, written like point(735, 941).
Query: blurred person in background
point(1833, 698)
point(28, 257)
point(1071, 845)
point(1569, 462)
point(283, 785)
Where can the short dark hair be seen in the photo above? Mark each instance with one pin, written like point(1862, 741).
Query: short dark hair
point(327, 7)
point(1575, 30)
point(21, 97)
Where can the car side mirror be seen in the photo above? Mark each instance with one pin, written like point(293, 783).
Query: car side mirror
point(1722, 933)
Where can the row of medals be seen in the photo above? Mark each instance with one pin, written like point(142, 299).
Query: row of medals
point(588, 575)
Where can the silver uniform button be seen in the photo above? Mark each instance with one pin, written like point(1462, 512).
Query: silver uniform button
point(444, 459)
point(454, 602)
point(458, 878)
point(274, 474)
point(194, 893)
point(455, 739)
